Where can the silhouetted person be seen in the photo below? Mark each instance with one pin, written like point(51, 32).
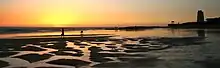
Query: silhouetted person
point(81, 32)
point(62, 30)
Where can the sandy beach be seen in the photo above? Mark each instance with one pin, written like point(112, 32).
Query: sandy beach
point(92, 51)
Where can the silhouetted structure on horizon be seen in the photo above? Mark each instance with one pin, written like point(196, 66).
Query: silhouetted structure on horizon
point(200, 17)
point(201, 23)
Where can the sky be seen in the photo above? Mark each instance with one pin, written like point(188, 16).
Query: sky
point(99, 13)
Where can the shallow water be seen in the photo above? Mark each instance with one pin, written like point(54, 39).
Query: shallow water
point(123, 33)
point(188, 48)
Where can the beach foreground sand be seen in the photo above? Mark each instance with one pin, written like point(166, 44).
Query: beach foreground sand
point(92, 50)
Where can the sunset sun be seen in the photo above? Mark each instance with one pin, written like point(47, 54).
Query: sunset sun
point(59, 19)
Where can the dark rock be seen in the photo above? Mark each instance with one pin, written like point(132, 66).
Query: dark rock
point(133, 39)
point(95, 49)
point(114, 50)
point(136, 50)
point(137, 47)
point(49, 67)
point(101, 39)
point(100, 59)
point(112, 65)
point(32, 48)
point(111, 55)
point(161, 47)
point(7, 54)
point(70, 62)
point(111, 46)
point(3, 64)
point(34, 57)
point(132, 45)
point(19, 67)
point(118, 54)
point(145, 41)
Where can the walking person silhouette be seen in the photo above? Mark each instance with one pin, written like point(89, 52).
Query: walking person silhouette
point(62, 32)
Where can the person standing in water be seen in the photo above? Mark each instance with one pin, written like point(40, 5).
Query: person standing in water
point(62, 32)
point(81, 33)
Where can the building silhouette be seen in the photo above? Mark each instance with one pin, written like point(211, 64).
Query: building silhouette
point(213, 20)
point(200, 17)
point(200, 23)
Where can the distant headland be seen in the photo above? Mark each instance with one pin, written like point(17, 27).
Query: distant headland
point(201, 23)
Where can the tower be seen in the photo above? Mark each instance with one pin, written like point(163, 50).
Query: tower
point(200, 17)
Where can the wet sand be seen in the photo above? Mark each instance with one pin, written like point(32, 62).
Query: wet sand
point(90, 50)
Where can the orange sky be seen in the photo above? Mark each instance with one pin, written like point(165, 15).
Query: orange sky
point(95, 13)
